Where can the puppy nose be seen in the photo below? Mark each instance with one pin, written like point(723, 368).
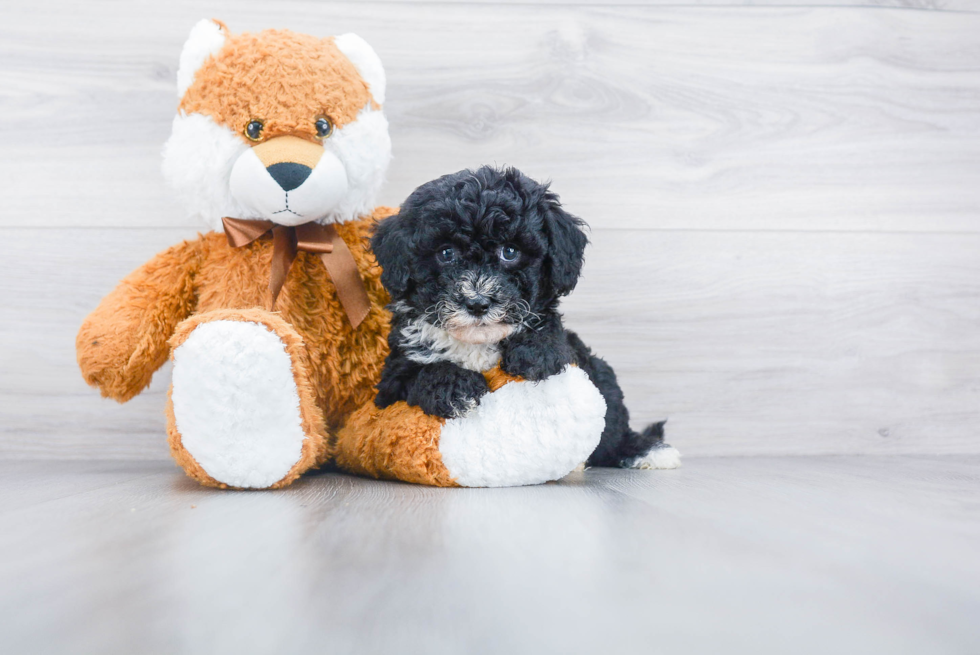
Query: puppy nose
point(477, 306)
point(289, 175)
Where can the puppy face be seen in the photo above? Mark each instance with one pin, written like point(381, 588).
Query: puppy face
point(480, 254)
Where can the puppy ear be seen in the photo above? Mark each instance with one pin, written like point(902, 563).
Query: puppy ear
point(390, 244)
point(566, 247)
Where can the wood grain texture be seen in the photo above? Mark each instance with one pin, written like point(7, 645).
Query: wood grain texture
point(734, 555)
point(790, 343)
point(749, 343)
point(966, 6)
point(830, 118)
point(784, 199)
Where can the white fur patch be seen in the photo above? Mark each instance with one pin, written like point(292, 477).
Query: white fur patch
point(197, 164)
point(664, 457)
point(200, 156)
point(484, 334)
point(206, 39)
point(236, 403)
point(366, 61)
point(525, 432)
point(364, 148)
point(425, 343)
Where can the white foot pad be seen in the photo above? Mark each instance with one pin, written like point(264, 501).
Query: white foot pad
point(665, 457)
point(525, 432)
point(236, 403)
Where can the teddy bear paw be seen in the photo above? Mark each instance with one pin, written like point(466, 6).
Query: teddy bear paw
point(236, 403)
point(525, 432)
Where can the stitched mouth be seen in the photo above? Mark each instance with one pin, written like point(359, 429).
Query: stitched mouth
point(287, 209)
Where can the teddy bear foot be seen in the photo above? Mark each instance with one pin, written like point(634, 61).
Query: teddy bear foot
point(525, 432)
point(241, 410)
point(522, 433)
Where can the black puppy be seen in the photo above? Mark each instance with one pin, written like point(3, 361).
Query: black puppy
point(476, 263)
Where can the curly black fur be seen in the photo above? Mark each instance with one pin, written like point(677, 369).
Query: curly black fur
point(476, 263)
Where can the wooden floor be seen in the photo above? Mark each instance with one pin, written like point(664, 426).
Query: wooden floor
point(853, 554)
point(785, 262)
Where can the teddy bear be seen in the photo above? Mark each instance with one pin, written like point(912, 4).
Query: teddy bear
point(275, 320)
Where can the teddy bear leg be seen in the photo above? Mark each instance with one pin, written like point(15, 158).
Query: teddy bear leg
point(398, 442)
point(242, 410)
point(523, 433)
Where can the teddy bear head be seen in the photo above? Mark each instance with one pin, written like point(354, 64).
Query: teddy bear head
point(278, 126)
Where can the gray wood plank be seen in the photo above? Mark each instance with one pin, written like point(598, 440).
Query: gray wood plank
point(743, 118)
point(915, 5)
point(748, 342)
point(735, 555)
point(836, 118)
point(790, 343)
point(46, 409)
point(34, 483)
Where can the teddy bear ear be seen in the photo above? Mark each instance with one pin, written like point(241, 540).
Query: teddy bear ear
point(366, 61)
point(206, 39)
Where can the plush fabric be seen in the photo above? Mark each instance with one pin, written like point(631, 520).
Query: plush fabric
point(476, 263)
point(256, 394)
point(366, 60)
point(243, 421)
point(280, 77)
point(285, 81)
point(522, 433)
point(397, 443)
point(125, 339)
point(205, 40)
point(261, 396)
point(525, 432)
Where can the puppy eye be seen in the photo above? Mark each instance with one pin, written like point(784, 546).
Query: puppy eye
point(324, 127)
point(508, 254)
point(446, 255)
point(254, 130)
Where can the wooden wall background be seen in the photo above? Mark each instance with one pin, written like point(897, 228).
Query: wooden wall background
point(785, 198)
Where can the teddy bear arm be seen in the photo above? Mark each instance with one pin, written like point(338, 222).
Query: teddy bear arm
point(124, 341)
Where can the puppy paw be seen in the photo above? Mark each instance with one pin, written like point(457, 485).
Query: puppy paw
point(663, 456)
point(533, 360)
point(446, 390)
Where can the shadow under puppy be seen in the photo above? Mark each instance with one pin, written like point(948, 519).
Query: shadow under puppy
point(476, 263)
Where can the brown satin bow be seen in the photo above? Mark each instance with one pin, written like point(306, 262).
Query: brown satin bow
point(309, 237)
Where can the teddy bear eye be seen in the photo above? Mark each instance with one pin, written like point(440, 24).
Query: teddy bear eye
point(446, 255)
point(254, 130)
point(508, 254)
point(324, 127)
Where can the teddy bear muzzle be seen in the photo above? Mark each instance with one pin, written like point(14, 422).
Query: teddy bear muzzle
point(288, 180)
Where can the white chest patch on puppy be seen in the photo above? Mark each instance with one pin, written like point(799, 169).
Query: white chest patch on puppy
point(425, 343)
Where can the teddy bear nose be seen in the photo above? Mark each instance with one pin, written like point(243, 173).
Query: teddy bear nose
point(289, 175)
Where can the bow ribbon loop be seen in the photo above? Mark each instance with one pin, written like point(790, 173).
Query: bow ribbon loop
point(323, 240)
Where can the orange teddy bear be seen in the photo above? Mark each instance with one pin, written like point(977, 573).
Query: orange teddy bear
point(277, 326)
